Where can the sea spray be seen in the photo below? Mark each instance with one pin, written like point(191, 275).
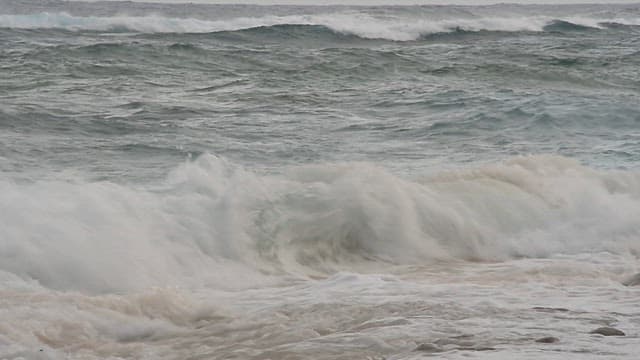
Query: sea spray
point(352, 23)
point(312, 219)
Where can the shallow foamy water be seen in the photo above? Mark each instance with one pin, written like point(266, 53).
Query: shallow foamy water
point(450, 310)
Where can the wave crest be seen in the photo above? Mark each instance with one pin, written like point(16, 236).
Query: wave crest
point(213, 218)
point(362, 25)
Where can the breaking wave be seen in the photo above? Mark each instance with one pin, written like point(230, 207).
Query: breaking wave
point(561, 26)
point(362, 25)
point(212, 220)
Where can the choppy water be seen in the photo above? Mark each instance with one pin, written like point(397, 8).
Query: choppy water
point(250, 182)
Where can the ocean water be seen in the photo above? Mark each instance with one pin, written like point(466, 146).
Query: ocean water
point(318, 182)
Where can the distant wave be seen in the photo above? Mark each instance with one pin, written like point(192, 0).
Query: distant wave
point(617, 25)
point(356, 24)
point(317, 219)
point(561, 25)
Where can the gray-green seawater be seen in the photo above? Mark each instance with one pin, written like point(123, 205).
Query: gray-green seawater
point(130, 90)
point(322, 182)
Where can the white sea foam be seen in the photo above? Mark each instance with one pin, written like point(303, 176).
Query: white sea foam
point(56, 325)
point(214, 221)
point(397, 28)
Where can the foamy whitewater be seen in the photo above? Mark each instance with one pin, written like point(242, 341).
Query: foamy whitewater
point(318, 182)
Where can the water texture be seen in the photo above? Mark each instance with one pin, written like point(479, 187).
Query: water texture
point(292, 182)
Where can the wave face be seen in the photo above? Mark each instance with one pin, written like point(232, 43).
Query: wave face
point(212, 217)
point(367, 26)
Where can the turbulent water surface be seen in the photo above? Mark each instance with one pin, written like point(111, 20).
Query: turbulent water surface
point(281, 182)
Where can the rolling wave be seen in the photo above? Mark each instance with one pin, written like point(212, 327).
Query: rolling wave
point(561, 26)
point(211, 216)
point(353, 24)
